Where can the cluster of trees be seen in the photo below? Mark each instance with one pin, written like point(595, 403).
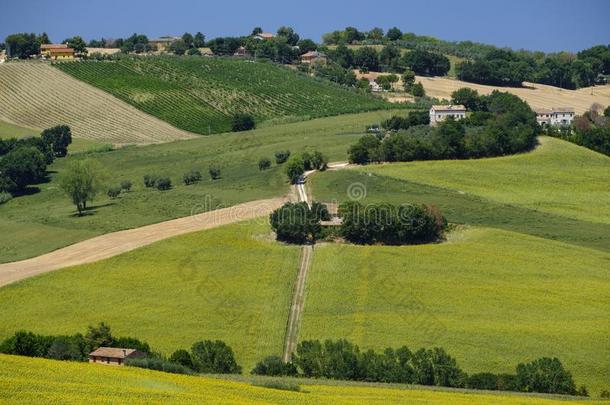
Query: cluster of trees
point(298, 164)
point(24, 161)
point(591, 130)
point(298, 223)
point(343, 360)
point(26, 45)
point(68, 347)
point(500, 124)
point(188, 44)
point(352, 35)
point(503, 67)
point(207, 356)
point(390, 59)
point(390, 224)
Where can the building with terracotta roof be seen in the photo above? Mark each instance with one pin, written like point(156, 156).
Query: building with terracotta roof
point(556, 116)
point(314, 57)
point(56, 51)
point(264, 36)
point(113, 355)
point(439, 113)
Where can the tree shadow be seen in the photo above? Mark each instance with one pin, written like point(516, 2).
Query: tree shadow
point(30, 190)
point(92, 210)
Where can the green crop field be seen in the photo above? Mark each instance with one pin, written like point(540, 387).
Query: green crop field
point(558, 177)
point(232, 283)
point(201, 94)
point(491, 298)
point(8, 130)
point(29, 380)
point(43, 221)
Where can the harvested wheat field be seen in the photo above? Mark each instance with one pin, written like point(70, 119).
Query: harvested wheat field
point(537, 95)
point(36, 95)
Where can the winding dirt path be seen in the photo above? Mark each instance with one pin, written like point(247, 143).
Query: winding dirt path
point(112, 244)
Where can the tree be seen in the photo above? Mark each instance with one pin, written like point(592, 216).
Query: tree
point(188, 39)
point(264, 164)
point(343, 56)
point(366, 57)
point(295, 169)
point(427, 63)
point(199, 40)
point(81, 181)
point(469, 98)
point(59, 138)
point(306, 45)
point(408, 79)
point(545, 375)
point(182, 357)
point(281, 156)
point(288, 33)
point(43, 39)
point(163, 183)
point(21, 167)
point(178, 47)
point(66, 348)
point(98, 336)
point(191, 177)
point(394, 34)
point(353, 35)
point(418, 90)
point(242, 122)
point(274, 366)
point(22, 45)
point(376, 34)
point(214, 171)
point(78, 44)
point(607, 112)
point(390, 56)
point(256, 31)
point(214, 357)
point(114, 191)
point(295, 223)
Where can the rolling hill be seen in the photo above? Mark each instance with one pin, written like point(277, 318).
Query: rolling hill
point(28, 380)
point(38, 96)
point(202, 94)
point(537, 95)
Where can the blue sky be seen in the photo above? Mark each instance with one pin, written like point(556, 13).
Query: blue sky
point(548, 25)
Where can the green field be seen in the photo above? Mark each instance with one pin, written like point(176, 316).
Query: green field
point(232, 283)
point(29, 380)
point(491, 298)
point(558, 177)
point(201, 94)
point(44, 221)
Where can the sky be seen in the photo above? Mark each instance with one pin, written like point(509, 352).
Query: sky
point(546, 25)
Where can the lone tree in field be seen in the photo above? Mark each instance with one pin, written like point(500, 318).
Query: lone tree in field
point(82, 181)
point(242, 122)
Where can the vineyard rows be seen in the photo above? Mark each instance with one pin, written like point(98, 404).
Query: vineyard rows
point(36, 95)
point(201, 94)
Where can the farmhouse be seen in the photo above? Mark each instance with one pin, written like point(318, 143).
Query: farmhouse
point(561, 116)
point(56, 51)
point(313, 57)
point(241, 52)
point(113, 356)
point(265, 36)
point(162, 43)
point(439, 113)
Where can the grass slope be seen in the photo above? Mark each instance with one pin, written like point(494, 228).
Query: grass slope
point(36, 95)
point(491, 298)
point(230, 283)
point(29, 380)
point(8, 130)
point(201, 94)
point(558, 177)
point(51, 213)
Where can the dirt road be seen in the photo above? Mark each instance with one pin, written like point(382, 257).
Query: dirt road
point(115, 243)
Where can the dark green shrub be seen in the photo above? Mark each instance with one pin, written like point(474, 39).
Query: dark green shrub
point(264, 164)
point(113, 192)
point(67, 348)
point(214, 357)
point(23, 166)
point(214, 171)
point(545, 375)
point(163, 183)
point(150, 180)
point(242, 122)
point(191, 177)
point(126, 185)
point(281, 156)
point(58, 138)
point(274, 366)
point(182, 357)
point(154, 363)
point(605, 394)
point(295, 169)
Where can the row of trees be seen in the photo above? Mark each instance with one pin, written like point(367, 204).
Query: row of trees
point(508, 68)
point(68, 347)
point(500, 124)
point(391, 59)
point(24, 161)
point(343, 360)
point(352, 35)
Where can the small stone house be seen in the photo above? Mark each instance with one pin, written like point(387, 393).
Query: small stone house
point(439, 113)
point(113, 356)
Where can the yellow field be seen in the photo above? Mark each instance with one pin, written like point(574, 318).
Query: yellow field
point(31, 380)
point(537, 95)
point(38, 96)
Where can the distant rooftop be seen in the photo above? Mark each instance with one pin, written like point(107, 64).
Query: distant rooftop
point(554, 110)
point(450, 107)
point(112, 352)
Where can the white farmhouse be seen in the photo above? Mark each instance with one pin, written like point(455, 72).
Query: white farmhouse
point(561, 116)
point(439, 113)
